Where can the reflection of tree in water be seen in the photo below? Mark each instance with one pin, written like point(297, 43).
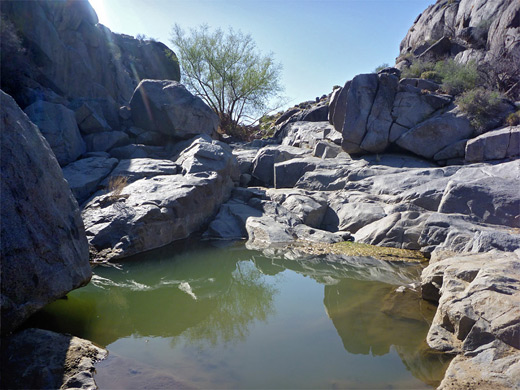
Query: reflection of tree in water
point(247, 298)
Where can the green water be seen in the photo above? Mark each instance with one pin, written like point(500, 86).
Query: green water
point(232, 318)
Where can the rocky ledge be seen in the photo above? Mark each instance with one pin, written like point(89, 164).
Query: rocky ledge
point(477, 318)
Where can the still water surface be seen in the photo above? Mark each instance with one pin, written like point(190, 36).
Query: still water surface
point(231, 318)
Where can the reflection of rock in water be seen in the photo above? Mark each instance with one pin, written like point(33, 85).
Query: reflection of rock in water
point(370, 318)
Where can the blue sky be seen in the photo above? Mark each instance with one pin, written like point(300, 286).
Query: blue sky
point(320, 43)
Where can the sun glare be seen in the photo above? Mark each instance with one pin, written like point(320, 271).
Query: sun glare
point(99, 7)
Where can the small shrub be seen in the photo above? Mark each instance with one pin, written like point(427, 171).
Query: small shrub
point(431, 75)
point(482, 106)
point(381, 67)
point(457, 78)
point(417, 69)
point(116, 185)
point(513, 119)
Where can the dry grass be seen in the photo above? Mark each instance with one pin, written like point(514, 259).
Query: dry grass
point(350, 248)
point(116, 185)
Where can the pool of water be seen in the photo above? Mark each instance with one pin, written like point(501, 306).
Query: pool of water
point(210, 317)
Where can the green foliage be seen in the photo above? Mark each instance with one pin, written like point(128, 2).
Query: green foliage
point(381, 67)
point(431, 75)
point(482, 106)
point(454, 77)
point(457, 78)
point(226, 70)
point(417, 68)
point(513, 119)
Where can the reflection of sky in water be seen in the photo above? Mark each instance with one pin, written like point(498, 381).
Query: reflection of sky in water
point(231, 318)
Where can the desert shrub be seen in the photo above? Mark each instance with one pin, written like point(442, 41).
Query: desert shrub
point(482, 106)
point(457, 78)
point(116, 185)
point(431, 75)
point(513, 119)
point(381, 67)
point(417, 68)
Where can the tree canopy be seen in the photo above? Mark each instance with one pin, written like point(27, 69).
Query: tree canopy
point(227, 71)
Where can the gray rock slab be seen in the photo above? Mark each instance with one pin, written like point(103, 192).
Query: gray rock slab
point(267, 157)
point(488, 193)
point(104, 141)
point(462, 233)
point(150, 213)
point(431, 136)
point(58, 125)
point(139, 168)
point(380, 119)
point(84, 176)
point(398, 230)
point(411, 107)
point(494, 145)
point(360, 98)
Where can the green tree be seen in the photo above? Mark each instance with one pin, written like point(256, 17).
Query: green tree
point(228, 72)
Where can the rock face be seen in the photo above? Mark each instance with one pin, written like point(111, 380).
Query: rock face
point(58, 125)
point(167, 107)
point(157, 207)
point(375, 112)
point(468, 27)
point(479, 307)
point(494, 145)
point(49, 361)
point(44, 248)
point(80, 58)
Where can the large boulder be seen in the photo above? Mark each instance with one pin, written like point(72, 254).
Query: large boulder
point(478, 316)
point(359, 100)
point(44, 249)
point(58, 125)
point(267, 157)
point(485, 193)
point(494, 145)
point(168, 107)
point(431, 136)
point(154, 211)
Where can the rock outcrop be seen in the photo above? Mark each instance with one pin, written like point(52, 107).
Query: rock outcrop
point(44, 248)
point(80, 59)
point(477, 317)
point(161, 202)
point(470, 29)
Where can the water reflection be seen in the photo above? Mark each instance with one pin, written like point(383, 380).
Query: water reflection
point(205, 295)
point(208, 297)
